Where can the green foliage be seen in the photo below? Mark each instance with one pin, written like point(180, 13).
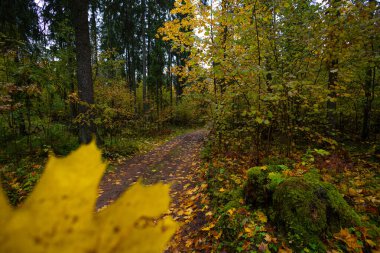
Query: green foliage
point(188, 111)
point(121, 147)
point(20, 178)
point(321, 152)
point(270, 82)
point(206, 151)
point(113, 112)
point(275, 179)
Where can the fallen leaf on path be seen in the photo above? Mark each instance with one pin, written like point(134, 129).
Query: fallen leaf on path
point(261, 217)
point(208, 227)
point(349, 239)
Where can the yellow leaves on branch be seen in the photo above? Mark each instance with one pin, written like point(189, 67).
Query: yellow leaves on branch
point(59, 215)
point(183, 7)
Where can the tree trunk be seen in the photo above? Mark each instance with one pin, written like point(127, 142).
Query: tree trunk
point(79, 11)
point(94, 37)
point(144, 58)
point(369, 96)
point(369, 83)
point(331, 104)
point(178, 86)
point(224, 42)
point(133, 76)
point(170, 81)
point(333, 40)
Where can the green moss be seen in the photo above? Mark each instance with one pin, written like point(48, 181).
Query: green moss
point(232, 204)
point(275, 178)
point(311, 209)
point(261, 183)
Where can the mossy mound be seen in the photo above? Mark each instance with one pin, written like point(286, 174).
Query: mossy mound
point(309, 209)
point(261, 183)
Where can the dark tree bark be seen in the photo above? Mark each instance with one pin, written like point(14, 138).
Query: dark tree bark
point(170, 79)
point(79, 11)
point(94, 36)
point(144, 58)
point(178, 85)
point(333, 14)
point(369, 83)
point(331, 104)
point(223, 83)
point(369, 97)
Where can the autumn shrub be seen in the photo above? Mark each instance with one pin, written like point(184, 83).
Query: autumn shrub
point(19, 178)
point(238, 229)
point(114, 110)
point(275, 160)
point(188, 112)
point(59, 140)
point(231, 221)
point(206, 151)
point(122, 146)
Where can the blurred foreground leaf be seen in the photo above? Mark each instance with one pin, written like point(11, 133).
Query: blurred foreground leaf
point(59, 215)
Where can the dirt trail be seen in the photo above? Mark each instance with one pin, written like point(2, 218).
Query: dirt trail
point(173, 162)
point(176, 162)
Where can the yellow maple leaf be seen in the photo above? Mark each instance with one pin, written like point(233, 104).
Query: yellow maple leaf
point(284, 249)
point(208, 227)
point(351, 240)
point(231, 211)
point(261, 217)
point(188, 243)
point(248, 230)
point(59, 215)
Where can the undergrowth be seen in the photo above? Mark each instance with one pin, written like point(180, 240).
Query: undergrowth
point(343, 198)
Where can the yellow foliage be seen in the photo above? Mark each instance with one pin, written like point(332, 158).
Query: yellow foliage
point(5, 209)
point(351, 240)
point(261, 217)
point(59, 215)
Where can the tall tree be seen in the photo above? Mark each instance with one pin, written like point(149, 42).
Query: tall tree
point(144, 56)
point(370, 75)
point(79, 11)
point(94, 34)
point(333, 16)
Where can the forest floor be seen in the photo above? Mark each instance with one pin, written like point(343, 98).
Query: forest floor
point(201, 204)
point(176, 162)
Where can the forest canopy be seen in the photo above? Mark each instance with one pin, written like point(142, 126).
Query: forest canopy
point(278, 68)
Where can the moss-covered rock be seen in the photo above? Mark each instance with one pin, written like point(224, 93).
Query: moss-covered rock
point(310, 209)
point(261, 183)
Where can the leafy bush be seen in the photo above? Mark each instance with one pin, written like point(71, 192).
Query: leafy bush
point(122, 147)
point(188, 111)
